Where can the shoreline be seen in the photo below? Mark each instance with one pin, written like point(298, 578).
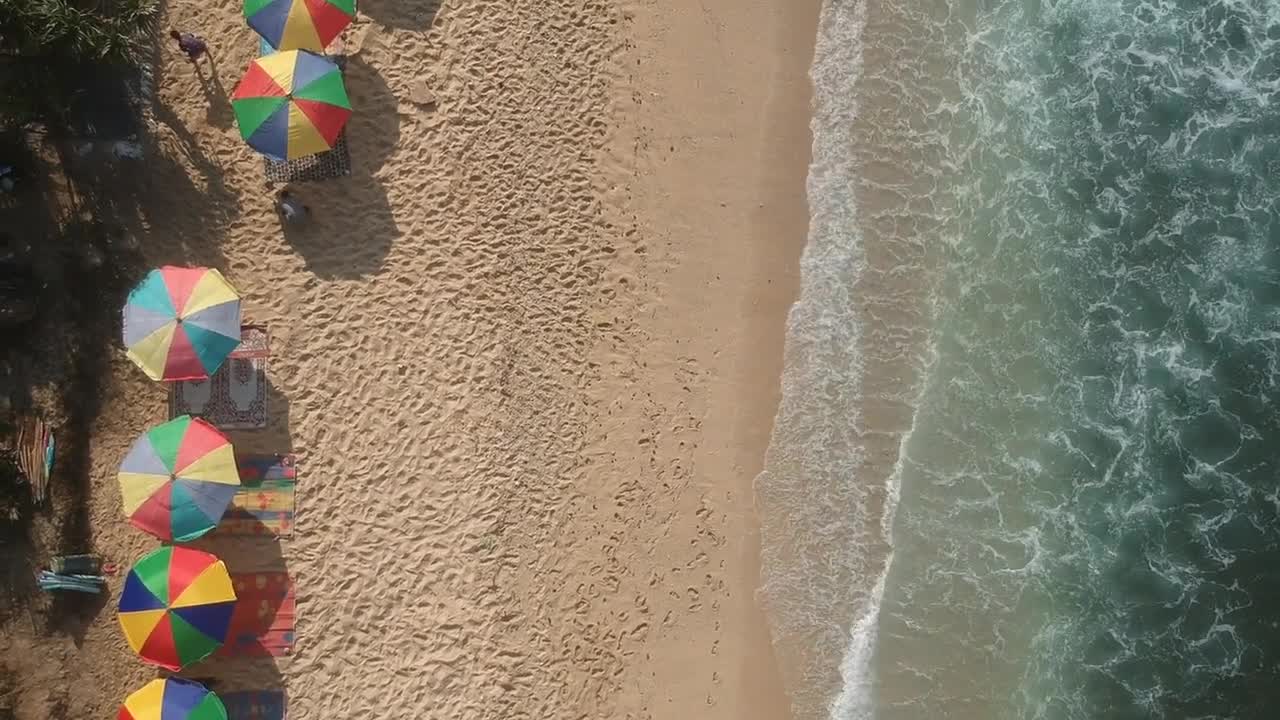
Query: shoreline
point(789, 116)
point(722, 293)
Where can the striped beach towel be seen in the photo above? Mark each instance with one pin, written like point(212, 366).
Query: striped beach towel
point(91, 584)
point(262, 623)
point(264, 503)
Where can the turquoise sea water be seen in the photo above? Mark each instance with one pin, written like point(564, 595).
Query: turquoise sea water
point(1084, 516)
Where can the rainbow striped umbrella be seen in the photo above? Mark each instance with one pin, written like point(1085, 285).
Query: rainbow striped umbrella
point(172, 699)
point(299, 24)
point(176, 606)
point(181, 323)
point(178, 479)
point(291, 104)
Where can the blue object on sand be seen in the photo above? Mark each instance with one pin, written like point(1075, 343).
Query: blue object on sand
point(254, 705)
point(91, 584)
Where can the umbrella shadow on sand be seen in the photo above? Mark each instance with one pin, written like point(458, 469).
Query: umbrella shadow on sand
point(173, 202)
point(277, 437)
point(404, 14)
point(245, 672)
point(168, 193)
point(54, 367)
point(261, 627)
point(351, 227)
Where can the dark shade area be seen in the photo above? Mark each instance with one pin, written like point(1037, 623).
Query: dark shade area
point(361, 218)
point(403, 14)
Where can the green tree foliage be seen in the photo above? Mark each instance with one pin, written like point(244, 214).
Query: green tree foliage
point(101, 30)
point(43, 42)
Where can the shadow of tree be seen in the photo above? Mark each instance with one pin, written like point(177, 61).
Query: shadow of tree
point(77, 216)
point(404, 14)
point(378, 126)
point(257, 678)
point(196, 201)
point(86, 222)
point(351, 228)
point(179, 231)
point(17, 578)
point(85, 330)
point(55, 365)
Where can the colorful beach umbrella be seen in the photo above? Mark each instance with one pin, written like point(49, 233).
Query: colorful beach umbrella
point(176, 606)
point(291, 104)
point(181, 323)
point(178, 479)
point(172, 699)
point(299, 24)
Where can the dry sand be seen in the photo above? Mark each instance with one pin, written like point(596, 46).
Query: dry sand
point(528, 355)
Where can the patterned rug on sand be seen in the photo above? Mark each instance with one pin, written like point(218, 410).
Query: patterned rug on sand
point(235, 398)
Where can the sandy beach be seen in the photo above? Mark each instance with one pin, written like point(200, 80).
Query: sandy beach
point(527, 355)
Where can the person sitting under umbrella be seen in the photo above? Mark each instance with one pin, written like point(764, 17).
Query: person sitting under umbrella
point(290, 209)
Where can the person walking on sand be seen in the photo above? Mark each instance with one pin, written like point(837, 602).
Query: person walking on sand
point(191, 44)
point(290, 209)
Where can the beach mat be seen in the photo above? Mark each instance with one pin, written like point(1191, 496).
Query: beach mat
point(235, 398)
point(327, 165)
point(265, 501)
point(262, 623)
point(254, 705)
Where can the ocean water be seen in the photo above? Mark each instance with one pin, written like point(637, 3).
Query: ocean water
point(1027, 462)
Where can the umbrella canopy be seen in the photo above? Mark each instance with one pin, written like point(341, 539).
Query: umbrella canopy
point(181, 323)
point(178, 479)
point(176, 606)
point(299, 24)
point(291, 104)
point(172, 699)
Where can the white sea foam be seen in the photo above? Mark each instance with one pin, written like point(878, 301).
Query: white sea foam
point(855, 700)
point(810, 500)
